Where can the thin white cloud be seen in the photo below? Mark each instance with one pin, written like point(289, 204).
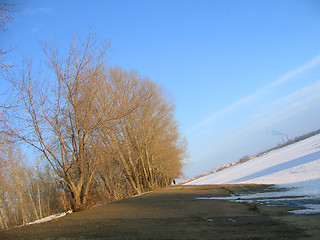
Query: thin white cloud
point(266, 122)
point(296, 103)
point(302, 93)
point(48, 11)
point(288, 76)
point(33, 12)
point(37, 28)
point(283, 79)
point(240, 102)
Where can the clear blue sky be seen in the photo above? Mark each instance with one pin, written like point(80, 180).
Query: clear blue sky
point(238, 71)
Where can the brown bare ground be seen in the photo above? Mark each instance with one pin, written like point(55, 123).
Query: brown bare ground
point(175, 213)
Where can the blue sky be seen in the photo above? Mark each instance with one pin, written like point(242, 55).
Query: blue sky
point(238, 71)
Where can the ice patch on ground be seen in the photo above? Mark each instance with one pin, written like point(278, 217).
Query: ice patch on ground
point(311, 209)
point(304, 196)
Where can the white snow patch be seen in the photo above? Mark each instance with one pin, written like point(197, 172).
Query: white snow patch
point(50, 218)
point(138, 195)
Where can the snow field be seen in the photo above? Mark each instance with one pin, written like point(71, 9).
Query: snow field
point(295, 168)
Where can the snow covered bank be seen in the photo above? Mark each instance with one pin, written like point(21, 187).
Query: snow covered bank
point(294, 163)
point(295, 168)
point(50, 218)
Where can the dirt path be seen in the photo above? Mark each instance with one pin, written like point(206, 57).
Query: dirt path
point(175, 213)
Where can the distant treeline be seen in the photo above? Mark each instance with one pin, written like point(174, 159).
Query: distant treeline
point(298, 139)
point(247, 158)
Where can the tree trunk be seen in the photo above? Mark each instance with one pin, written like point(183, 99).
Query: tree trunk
point(3, 219)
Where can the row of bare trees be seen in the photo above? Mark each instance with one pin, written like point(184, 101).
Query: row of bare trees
point(26, 193)
point(104, 133)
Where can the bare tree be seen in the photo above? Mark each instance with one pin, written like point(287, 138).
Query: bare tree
point(96, 126)
point(6, 10)
point(15, 205)
point(25, 193)
point(59, 117)
point(145, 144)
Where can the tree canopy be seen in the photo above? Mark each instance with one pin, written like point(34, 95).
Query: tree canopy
point(107, 133)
